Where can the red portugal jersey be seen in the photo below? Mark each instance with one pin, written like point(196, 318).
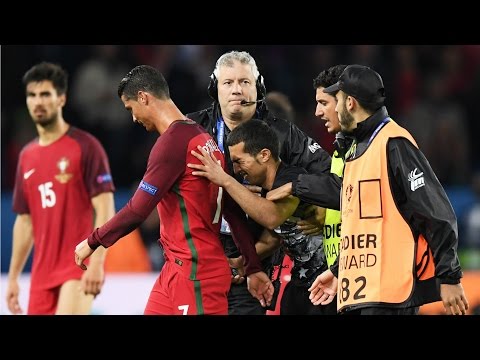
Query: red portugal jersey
point(189, 206)
point(55, 184)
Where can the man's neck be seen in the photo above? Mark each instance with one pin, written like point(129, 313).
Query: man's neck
point(51, 133)
point(271, 175)
point(170, 113)
point(232, 121)
point(360, 116)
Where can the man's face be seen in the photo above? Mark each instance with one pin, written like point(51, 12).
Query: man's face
point(235, 84)
point(344, 117)
point(247, 165)
point(325, 110)
point(43, 102)
point(139, 112)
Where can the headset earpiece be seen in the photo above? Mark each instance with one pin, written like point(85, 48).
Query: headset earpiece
point(212, 89)
point(261, 89)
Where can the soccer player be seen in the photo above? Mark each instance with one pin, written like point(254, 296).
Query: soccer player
point(254, 149)
point(195, 278)
point(238, 92)
point(63, 176)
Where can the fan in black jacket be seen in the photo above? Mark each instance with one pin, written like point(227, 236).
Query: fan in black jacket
point(417, 194)
point(235, 87)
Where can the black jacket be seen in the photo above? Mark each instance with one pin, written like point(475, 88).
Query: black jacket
point(428, 212)
point(296, 148)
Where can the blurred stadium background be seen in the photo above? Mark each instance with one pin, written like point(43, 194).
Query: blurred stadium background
point(432, 90)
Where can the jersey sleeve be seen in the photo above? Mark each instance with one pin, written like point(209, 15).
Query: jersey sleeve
point(166, 164)
point(96, 168)
point(19, 204)
point(241, 234)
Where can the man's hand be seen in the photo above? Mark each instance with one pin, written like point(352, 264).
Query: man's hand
point(82, 251)
point(211, 168)
point(13, 290)
point(308, 228)
point(254, 189)
point(454, 299)
point(312, 221)
point(261, 287)
point(237, 268)
point(280, 192)
point(323, 289)
point(92, 280)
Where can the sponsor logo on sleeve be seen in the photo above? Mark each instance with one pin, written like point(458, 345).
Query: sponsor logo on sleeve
point(152, 190)
point(314, 147)
point(104, 178)
point(416, 180)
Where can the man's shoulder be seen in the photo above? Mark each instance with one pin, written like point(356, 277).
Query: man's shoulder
point(282, 125)
point(83, 136)
point(30, 146)
point(77, 132)
point(287, 173)
point(201, 116)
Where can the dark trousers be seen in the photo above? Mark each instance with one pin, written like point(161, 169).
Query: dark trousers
point(295, 301)
point(383, 311)
point(241, 302)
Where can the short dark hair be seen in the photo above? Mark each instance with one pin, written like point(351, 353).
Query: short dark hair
point(256, 135)
point(48, 71)
point(328, 77)
point(144, 78)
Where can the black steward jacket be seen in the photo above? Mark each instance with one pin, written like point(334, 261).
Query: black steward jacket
point(428, 212)
point(296, 149)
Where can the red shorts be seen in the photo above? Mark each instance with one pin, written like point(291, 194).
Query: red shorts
point(174, 294)
point(44, 301)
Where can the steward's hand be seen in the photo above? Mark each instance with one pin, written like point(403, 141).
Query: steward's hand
point(454, 299)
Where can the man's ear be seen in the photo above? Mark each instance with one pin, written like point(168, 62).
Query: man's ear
point(63, 100)
point(265, 155)
point(142, 97)
point(349, 102)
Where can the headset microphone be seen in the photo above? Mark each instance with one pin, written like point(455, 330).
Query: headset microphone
point(247, 103)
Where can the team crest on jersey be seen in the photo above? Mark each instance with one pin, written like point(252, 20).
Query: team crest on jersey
point(348, 192)
point(62, 165)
